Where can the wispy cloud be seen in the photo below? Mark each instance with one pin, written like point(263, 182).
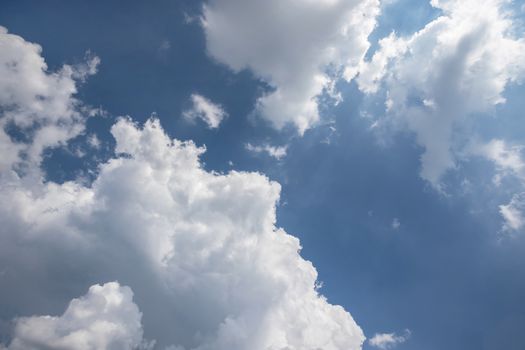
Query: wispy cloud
point(396, 223)
point(277, 152)
point(202, 108)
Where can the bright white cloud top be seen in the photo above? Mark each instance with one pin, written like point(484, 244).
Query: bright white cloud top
point(202, 108)
point(300, 48)
point(104, 319)
point(208, 266)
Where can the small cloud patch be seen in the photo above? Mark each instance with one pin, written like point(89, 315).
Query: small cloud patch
point(277, 152)
point(396, 224)
point(211, 113)
point(388, 340)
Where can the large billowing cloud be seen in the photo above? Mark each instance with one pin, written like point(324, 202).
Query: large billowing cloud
point(456, 66)
point(201, 251)
point(104, 319)
point(299, 47)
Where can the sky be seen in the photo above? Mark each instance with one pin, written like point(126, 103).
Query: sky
point(264, 175)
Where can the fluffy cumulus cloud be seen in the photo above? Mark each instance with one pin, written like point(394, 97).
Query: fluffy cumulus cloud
point(202, 108)
point(36, 102)
point(456, 66)
point(208, 266)
point(104, 319)
point(388, 340)
point(299, 47)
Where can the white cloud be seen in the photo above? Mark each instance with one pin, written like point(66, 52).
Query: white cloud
point(208, 266)
point(507, 159)
point(291, 45)
point(457, 65)
point(38, 103)
point(93, 141)
point(513, 213)
point(372, 72)
point(104, 319)
point(208, 243)
point(277, 152)
point(202, 108)
point(388, 340)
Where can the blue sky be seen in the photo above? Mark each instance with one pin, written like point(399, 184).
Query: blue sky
point(404, 179)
